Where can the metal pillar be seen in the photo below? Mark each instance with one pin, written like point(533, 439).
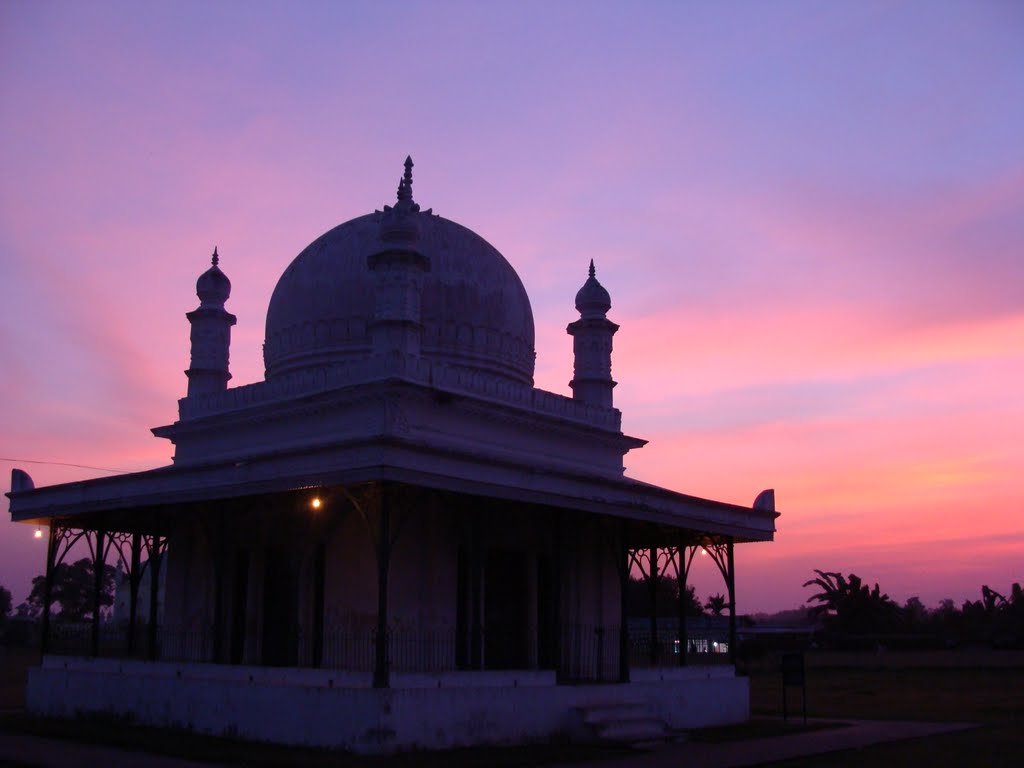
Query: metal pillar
point(219, 562)
point(556, 598)
point(684, 556)
point(154, 588)
point(731, 584)
point(51, 555)
point(133, 586)
point(652, 591)
point(623, 565)
point(319, 576)
point(381, 676)
point(476, 579)
point(98, 568)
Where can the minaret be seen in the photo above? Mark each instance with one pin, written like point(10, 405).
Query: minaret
point(211, 333)
point(592, 344)
point(398, 275)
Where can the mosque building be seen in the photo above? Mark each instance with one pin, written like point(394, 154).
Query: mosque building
point(395, 540)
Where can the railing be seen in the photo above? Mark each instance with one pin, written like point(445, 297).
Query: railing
point(75, 638)
point(589, 653)
point(185, 643)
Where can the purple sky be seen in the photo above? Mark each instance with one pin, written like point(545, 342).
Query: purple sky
point(809, 215)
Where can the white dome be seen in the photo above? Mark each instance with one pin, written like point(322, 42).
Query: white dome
point(475, 311)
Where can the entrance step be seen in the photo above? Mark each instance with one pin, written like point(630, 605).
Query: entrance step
point(620, 722)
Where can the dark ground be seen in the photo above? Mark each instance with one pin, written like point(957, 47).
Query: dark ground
point(951, 688)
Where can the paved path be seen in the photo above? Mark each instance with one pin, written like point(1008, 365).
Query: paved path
point(22, 749)
point(735, 754)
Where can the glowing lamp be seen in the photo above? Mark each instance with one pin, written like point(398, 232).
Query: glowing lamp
point(39, 533)
point(315, 503)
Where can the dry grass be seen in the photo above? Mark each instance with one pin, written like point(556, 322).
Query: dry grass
point(991, 697)
point(225, 751)
point(14, 664)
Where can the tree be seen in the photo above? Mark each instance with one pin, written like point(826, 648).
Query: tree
point(5, 604)
point(72, 590)
point(716, 604)
point(693, 607)
point(998, 619)
point(638, 598)
point(915, 613)
point(848, 606)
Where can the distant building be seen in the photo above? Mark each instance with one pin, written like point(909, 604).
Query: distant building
point(394, 541)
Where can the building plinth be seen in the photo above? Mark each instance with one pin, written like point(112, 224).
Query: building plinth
point(324, 708)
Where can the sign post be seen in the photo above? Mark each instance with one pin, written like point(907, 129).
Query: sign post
point(793, 675)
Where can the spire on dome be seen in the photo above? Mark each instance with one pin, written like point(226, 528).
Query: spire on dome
point(593, 300)
point(592, 344)
point(211, 332)
point(398, 223)
point(405, 184)
point(213, 287)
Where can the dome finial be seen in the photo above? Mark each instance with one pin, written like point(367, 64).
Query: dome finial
point(405, 183)
point(593, 300)
point(213, 287)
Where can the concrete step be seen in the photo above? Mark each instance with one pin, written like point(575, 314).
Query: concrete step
point(621, 722)
point(634, 731)
point(603, 713)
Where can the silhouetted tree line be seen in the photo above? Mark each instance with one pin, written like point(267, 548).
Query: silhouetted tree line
point(71, 597)
point(5, 605)
point(852, 614)
point(72, 591)
point(855, 615)
point(638, 598)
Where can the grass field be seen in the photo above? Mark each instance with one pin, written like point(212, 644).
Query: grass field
point(993, 697)
point(990, 694)
point(14, 664)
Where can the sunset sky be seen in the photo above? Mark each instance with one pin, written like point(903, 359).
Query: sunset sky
point(809, 216)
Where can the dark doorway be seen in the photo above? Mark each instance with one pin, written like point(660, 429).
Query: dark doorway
point(506, 610)
point(280, 630)
point(239, 600)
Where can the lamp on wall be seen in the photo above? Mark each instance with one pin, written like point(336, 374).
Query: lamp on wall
point(39, 533)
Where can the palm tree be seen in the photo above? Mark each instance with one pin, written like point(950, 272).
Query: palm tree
point(834, 590)
point(715, 604)
point(849, 606)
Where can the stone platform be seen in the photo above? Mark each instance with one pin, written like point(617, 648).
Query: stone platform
point(329, 708)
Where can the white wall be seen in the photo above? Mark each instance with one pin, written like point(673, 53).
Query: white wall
point(327, 709)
